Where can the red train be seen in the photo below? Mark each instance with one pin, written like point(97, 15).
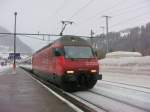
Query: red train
point(69, 62)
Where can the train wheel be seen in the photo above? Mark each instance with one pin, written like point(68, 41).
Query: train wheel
point(90, 83)
point(86, 81)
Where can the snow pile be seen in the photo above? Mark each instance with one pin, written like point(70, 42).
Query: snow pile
point(130, 64)
point(119, 54)
point(126, 61)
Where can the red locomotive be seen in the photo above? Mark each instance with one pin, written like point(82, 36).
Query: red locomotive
point(68, 62)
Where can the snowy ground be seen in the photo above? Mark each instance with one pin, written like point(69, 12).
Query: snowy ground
point(4, 68)
point(113, 97)
point(131, 79)
point(128, 65)
point(125, 86)
point(128, 70)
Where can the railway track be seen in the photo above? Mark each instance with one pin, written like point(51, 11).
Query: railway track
point(99, 100)
point(108, 104)
point(85, 106)
point(120, 101)
point(128, 86)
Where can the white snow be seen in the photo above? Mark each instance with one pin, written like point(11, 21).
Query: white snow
point(118, 54)
point(106, 103)
point(4, 68)
point(130, 64)
point(125, 94)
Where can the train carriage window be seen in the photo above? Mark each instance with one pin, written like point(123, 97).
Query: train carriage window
point(58, 51)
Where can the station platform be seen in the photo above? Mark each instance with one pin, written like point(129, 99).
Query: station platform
point(20, 93)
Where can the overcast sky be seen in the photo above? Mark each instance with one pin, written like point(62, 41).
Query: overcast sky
point(45, 16)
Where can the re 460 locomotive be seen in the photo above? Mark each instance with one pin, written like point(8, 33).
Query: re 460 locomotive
point(69, 62)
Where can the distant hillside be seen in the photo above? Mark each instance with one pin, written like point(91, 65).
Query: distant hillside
point(7, 43)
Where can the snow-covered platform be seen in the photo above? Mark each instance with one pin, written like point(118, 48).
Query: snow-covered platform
point(20, 93)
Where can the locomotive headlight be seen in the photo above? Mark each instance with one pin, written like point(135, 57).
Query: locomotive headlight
point(93, 71)
point(70, 72)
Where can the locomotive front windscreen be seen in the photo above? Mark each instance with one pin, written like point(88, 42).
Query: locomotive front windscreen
point(75, 52)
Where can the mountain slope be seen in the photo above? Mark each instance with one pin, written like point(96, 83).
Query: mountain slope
point(7, 43)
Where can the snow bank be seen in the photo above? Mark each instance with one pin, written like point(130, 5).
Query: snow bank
point(134, 64)
point(126, 61)
point(119, 54)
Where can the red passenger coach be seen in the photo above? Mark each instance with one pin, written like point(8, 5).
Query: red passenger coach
point(68, 62)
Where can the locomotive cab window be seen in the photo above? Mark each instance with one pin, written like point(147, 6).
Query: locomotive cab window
point(58, 52)
point(77, 52)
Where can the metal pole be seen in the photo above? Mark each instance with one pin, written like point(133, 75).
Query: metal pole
point(92, 33)
point(107, 38)
point(107, 34)
point(14, 64)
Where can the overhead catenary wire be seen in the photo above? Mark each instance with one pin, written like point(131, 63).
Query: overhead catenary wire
point(81, 8)
point(130, 19)
point(94, 16)
point(35, 34)
point(108, 10)
point(31, 35)
point(21, 34)
point(35, 38)
point(60, 8)
point(135, 4)
point(5, 35)
point(128, 7)
point(79, 11)
point(129, 11)
point(104, 10)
